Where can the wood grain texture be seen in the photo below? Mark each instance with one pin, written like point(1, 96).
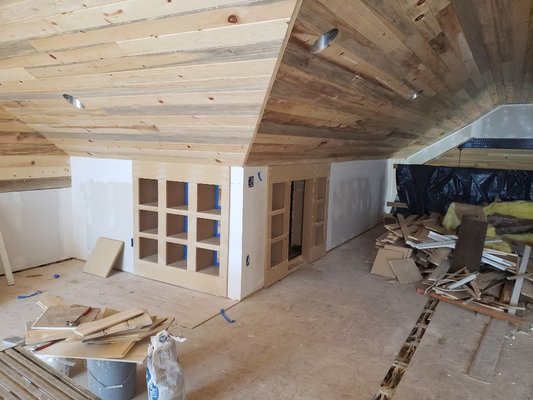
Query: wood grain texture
point(157, 78)
point(486, 158)
point(353, 99)
point(29, 161)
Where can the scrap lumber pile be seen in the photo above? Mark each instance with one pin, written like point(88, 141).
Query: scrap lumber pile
point(75, 331)
point(459, 267)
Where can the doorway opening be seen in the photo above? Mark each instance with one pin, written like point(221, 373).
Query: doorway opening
point(296, 220)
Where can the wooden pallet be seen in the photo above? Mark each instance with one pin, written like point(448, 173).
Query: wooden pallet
point(23, 377)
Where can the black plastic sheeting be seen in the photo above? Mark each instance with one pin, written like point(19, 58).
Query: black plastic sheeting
point(426, 188)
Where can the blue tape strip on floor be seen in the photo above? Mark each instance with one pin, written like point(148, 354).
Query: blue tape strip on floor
point(25, 296)
point(223, 313)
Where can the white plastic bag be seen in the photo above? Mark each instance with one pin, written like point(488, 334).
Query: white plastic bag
point(164, 378)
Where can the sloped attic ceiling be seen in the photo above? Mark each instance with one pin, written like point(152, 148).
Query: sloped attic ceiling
point(187, 80)
point(354, 99)
point(159, 79)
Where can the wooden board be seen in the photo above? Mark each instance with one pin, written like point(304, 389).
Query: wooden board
point(56, 317)
point(82, 350)
point(406, 271)
point(96, 326)
point(381, 264)
point(469, 246)
point(488, 352)
point(479, 308)
point(27, 377)
point(103, 257)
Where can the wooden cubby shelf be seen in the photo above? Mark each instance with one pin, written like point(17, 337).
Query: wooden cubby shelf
point(177, 195)
point(207, 261)
point(278, 196)
point(177, 256)
point(208, 197)
point(148, 192)
point(276, 253)
point(207, 232)
point(177, 226)
point(181, 224)
point(276, 226)
point(148, 250)
point(148, 222)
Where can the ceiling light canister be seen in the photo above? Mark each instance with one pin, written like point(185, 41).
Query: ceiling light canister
point(73, 101)
point(324, 41)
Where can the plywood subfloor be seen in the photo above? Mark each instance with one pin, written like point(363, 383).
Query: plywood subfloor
point(327, 331)
point(120, 291)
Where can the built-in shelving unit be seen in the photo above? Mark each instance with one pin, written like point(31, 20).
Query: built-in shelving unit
point(316, 179)
point(181, 224)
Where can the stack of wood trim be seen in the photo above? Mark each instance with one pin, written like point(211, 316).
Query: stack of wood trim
point(93, 333)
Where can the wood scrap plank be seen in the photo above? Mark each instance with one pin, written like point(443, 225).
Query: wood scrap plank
point(57, 317)
point(52, 374)
point(87, 351)
point(103, 257)
point(381, 264)
point(469, 247)
point(488, 352)
point(441, 270)
point(406, 271)
point(403, 227)
point(95, 326)
point(439, 255)
point(517, 289)
point(131, 324)
point(476, 307)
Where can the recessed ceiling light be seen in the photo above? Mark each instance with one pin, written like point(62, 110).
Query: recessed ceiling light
point(324, 41)
point(415, 95)
point(73, 101)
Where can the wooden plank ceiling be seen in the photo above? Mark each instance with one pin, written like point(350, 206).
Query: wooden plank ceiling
point(184, 80)
point(28, 160)
point(160, 79)
point(354, 99)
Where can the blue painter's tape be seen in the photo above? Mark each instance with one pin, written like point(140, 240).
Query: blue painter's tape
point(223, 313)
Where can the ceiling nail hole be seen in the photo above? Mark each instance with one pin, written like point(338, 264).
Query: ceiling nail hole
point(233, 19)
point(73, 101)
point(324, 41)
point(419, 17)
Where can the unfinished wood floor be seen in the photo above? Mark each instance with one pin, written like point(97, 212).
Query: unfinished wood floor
point(330, 331)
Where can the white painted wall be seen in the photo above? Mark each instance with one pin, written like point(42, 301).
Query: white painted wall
point(356, 199)
point(36, 227)
point(248, 210)
point(102, 205)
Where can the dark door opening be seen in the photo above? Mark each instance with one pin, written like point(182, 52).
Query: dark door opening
point(296, 219)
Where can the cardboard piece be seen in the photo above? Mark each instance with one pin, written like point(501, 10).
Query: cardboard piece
point(103, 257)
point(406, 271)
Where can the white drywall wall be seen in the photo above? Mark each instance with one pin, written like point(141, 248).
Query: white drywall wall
point(102, 205)
point(36, 226)
point(248, 210)
point(356, 199)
